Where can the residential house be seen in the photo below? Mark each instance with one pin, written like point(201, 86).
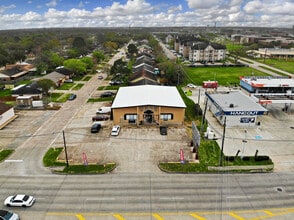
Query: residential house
point(6, 114)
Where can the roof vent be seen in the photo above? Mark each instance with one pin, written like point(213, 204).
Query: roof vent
point(231, 105)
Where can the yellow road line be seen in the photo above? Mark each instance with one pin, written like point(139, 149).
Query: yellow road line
point(197, 216)
point(118, 217)
point(80, 217)
point(157, 216)
point(234, 215)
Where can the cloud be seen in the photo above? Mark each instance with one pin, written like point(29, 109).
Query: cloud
point(278, 13)
point(52, 4)
point(5, 8)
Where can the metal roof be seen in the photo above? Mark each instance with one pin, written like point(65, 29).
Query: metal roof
point(148, 95)
point(235, 101)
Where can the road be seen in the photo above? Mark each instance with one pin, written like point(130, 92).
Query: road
point(212, 196)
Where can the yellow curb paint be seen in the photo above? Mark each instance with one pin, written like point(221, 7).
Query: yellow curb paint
point(236, 216)
point(197, 216)
point(157, 216)
point(80, 217)
point(118, 216)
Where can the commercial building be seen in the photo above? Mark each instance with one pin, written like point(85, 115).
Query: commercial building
point(234, 107)
point(147, 105)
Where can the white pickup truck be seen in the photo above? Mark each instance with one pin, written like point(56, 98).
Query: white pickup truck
point(103, 110)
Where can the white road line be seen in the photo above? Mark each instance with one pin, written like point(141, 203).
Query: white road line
point(13, 161)
point(238, 197)
point(172, 198)
point(100, 199)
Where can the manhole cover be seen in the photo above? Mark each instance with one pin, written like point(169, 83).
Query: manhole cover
point(279, 189)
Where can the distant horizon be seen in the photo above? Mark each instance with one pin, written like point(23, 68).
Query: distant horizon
point(155, 27)
point(36, 14)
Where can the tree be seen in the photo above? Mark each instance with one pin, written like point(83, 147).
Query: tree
point(98, 56)
point(79, 44)
point(55, 59)
point(75, 65)
point(46, 85)
point(88, 61)
point(132, 49)
point(111, 45)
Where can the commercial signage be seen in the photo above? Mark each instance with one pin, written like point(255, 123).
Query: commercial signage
point(182, 158)
point(247, 113)
point(247, 120)
point(85, 159)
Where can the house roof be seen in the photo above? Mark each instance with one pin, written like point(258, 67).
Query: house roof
point(148, 95)
point(32, 88)
point(53, 76)
point(4, 108)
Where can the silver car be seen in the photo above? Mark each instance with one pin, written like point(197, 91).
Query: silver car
point(7, 215)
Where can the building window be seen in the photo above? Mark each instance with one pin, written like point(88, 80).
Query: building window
point(131, 118)
point(166, 117)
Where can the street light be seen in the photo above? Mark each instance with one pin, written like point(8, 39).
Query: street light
point(244, 141)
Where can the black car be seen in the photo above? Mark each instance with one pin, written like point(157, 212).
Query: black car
point(163, 130)
point(115, 82)
point(72, 97)
point(107, 94)
point(95, 128)
point(100, 118)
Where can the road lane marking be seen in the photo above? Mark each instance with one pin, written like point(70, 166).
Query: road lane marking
point(197, 216)
point(157, 216)
point(172, 198)
point(100, 199)
point(238, 197)
point(236, 216)
point(13, 161)
point(80, 217)
point(118, 216)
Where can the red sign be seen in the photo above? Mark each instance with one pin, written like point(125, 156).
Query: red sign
point(85, 159)
point(182, 156)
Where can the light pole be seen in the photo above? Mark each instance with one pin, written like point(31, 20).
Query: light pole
point(223, 143)
point(65, 150)
point(244, 142)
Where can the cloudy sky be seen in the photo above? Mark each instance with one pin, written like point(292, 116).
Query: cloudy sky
point(15, 14)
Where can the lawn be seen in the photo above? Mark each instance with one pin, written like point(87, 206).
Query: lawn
point(78, 86)
point(224, 75)
point(286, 65)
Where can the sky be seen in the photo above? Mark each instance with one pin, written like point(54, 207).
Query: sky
point(19, 14)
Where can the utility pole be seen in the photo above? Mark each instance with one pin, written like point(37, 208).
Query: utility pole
point(65, 150)
point(223, 141)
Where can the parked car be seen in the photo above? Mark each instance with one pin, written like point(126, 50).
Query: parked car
point(100, 118)
point(163, 130)
point(100, 77)
point(115, 130)
point(72, 97)
point(103, 110)
point(190, 85)
point(95, 128)
point(20, 200)
point(68, 81)
point(7, 215)
point(115, 82)
point(107, 94)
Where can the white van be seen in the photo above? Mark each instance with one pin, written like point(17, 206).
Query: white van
point(103, 110)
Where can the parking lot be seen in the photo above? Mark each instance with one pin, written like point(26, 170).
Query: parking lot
point(140, 149)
